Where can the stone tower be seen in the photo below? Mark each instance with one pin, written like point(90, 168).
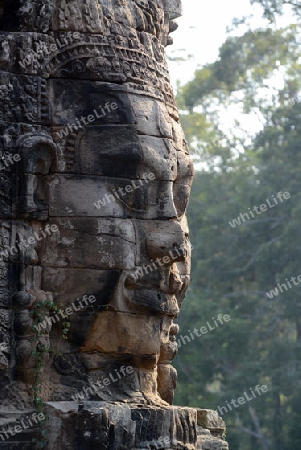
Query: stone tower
point(94, 249)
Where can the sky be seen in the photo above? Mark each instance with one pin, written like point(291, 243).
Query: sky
point(202, 30)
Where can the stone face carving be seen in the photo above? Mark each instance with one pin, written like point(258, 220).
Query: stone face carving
point(88, 108)
point(95, 182)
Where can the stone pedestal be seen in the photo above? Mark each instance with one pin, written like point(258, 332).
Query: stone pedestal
point(210, 431)
point(94, 425)
point(119, 426)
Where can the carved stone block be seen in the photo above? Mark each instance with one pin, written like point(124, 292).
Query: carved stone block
point(95, 177)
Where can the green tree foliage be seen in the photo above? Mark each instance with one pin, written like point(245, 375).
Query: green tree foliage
point(234, 267)
point(271, 8)
point(244, 66)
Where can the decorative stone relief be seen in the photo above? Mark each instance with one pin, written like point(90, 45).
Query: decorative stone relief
point(94, 243)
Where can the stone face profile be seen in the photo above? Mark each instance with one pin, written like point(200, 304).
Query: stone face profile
point(94, 243)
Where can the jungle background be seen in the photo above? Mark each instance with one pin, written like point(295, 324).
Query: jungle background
point(256, 77)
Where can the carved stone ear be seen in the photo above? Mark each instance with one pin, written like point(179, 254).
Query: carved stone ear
point(37, 156)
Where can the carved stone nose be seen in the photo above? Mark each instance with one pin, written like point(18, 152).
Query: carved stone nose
point(165, 241)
